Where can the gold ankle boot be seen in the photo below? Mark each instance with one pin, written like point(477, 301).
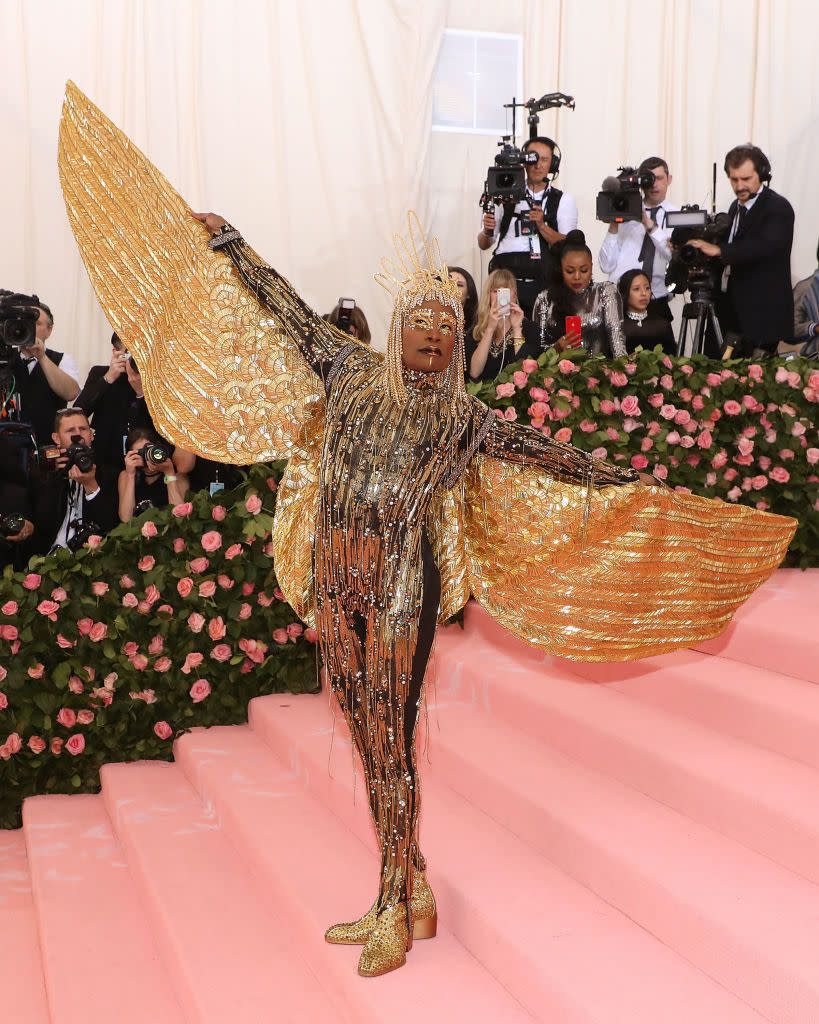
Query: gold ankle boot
point(386, 948)
point(424, 915)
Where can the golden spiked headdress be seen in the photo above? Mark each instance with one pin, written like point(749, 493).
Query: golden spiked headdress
point(417, 274)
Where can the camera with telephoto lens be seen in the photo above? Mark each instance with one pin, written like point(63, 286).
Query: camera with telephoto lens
point(620, 197)
point(11, 524)
point(154, 455)
point(689, 269)
point(77, 453)
point(83, 529)
point(18, 323)
point(506, 179)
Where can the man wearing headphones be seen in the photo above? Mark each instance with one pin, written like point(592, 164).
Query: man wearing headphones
point(755, 307)
point(524, 233)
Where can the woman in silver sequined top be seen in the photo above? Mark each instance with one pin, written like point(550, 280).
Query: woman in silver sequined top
point(572, 292)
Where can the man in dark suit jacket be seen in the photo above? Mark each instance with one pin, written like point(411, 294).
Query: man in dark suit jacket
point(63, 499)
point(755, 307)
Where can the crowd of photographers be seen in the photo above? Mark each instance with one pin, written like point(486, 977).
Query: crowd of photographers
point(76, 461)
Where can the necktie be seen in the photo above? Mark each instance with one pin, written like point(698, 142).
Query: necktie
point(742, 213)
point(647, 249)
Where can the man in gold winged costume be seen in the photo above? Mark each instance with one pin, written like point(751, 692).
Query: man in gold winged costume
point(402, 494)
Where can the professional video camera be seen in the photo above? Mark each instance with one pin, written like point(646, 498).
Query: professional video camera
point(620, 198)
point(18, 324)
point(689, 269)
point(506, 179)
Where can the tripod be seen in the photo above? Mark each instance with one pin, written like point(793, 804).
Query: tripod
point(699, 312)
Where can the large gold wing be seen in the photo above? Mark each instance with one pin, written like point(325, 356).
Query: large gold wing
point(650, 571)
point(221, 378)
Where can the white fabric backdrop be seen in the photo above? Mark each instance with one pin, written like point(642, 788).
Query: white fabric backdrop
point(308, 124)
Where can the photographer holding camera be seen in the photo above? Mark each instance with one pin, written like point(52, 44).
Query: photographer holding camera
point(644, 245)
point(150, 478)
point(525, 231)
point(755, 305)
point(69, 499)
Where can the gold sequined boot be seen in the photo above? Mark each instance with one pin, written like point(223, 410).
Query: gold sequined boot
point(424, 915)
point(387, 946)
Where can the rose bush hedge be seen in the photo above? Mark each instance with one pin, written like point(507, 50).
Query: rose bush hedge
point(735, 430)
point(173, 621)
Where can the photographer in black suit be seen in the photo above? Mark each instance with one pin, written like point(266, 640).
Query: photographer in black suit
point(69, 500)
point(755, 307)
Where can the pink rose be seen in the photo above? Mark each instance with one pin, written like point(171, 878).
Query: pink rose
point(93, 542)
point(183, 510)
point(162, 664)
point(697, 403)
point(520, 378)
point(529, 365)
point(743, 460)
point(36, 744)
point(85, 717)
point(587, 426)
point(56, 746)
point(798, 429)
point(199, 564)
point(58, 594)
point(734, 493)
point(130, 600)
point(673, 437)
point(745, 446)
point(714, 380)
point(265, 600)
point(157, 645)
point(85, 626)
point(729, 475)
point(75, 684)
point(755, 371)
point(14, 743)
point(149, 696)
point(233, 551)
point(207, 589)
point(75, 744)
point(660, 471)
point(510, 414)
point(613, 434)
point(184, 586)
point(218, 513)
point(719, 459)
point(310, 635)
point(732, 408)
point(211, 541)
point(656, 400)
point(566, 366)
point(4, 701)
point(639, 461)
point(687, 441)
point(225, 582)
point(280, 636)
point(780, 474)
point(130, 648)
point(253, 504)
point(668, 412)
point(630, 406)
point(32, 581)
point(682, 417)
point(165, 609)
point(163, 730)
point(538, 394)
point(217, 628)
point(179, 544)
point(245, 611)
point(646, 444)
point(36, 671)
point(759, 483)
point(563, 435)
point(193, 660)
point(607, 407)
point(149, 528)
point(705, 439)
point(254, 649)
point(666, 381)
point(592, 382)
point(295, 630)
point(505, 390)
point(99, 631)
point(9, 608)
point(196, 622)
point(618, 379)
point(9, 632)
point(126, 582)
point(49, 608)
point(685, 394)
point(152, 594)
point(98, 588)
point(146, 563)
point(221, 652)
point(200, 690)
point(812, 455)
point(67, 717)
point(3, 673)
point(140, 662)
point(600, 453)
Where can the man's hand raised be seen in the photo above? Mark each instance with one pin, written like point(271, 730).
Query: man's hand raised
point(212, 221)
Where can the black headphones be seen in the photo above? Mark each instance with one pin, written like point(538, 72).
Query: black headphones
point(762, 165)
point(554, 170)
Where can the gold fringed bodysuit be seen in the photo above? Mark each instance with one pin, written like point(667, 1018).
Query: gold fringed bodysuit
point(377, 588)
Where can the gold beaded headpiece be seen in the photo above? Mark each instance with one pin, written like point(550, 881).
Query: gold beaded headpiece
point(417, 274)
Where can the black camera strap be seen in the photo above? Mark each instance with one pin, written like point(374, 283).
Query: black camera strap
point(549, 203)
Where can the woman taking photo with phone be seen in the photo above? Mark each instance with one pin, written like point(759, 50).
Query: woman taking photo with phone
point(576, 311)
point(502, 335)
point(642, 327)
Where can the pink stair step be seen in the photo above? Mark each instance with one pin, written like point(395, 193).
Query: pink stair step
point(22, 983)
point(318, 872)
point(747, 922)
point(229, 950)
point(564, 952)
point(762, 799)
point(757, 705)
point(99, 958)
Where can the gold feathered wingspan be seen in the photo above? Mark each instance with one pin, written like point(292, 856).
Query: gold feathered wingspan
point(651, 571)
point(220, 376)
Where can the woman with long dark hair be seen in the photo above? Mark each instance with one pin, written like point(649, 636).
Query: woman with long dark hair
point(573, 293)
point(642, 326)
point(469, 296)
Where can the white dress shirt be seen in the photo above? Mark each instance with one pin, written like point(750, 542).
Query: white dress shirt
point(74, 511)
point(621, 252)
point(66, 364)
point(514, 241)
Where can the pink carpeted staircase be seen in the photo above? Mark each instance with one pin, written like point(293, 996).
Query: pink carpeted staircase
point(609, 844)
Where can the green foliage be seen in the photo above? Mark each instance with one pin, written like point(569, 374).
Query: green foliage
point(109, 654)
